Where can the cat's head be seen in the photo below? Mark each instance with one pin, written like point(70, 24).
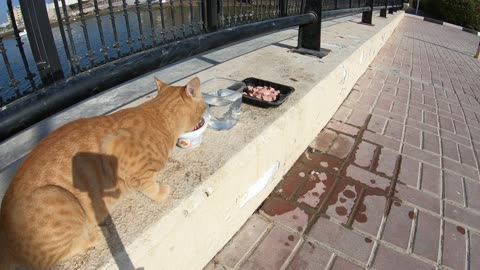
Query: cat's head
point(189, 98)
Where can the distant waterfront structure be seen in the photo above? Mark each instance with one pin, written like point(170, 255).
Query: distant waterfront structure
point(17, 14)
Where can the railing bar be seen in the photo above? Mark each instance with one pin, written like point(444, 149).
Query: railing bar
point(172, 14)
point(182, 16)
point(104, 48)
point(241, 12)
point(64, 38)
point(141, 37)
point(75, 57)
point(127, 25)
point(85, 34)
point(201, 7)
point(13, 82)
point(153, 35)
point(192, 17)
point(162, 17)
point(235, 12)
point(116, 45)
point(30, 75)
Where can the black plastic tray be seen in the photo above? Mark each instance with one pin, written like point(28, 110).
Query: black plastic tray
point(285, 91)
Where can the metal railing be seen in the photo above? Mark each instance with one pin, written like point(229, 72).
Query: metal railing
point(58, 54)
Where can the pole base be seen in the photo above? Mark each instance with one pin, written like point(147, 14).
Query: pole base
point(320, 54)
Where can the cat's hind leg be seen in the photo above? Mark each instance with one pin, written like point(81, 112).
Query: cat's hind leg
point(47, 227)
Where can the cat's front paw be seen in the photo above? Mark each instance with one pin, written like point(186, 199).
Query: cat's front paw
point(164, 191)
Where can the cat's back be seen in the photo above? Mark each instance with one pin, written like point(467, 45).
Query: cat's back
point(50, 162)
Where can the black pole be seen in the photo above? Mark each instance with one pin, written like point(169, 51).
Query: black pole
point(52, 99)
point(212, 11)
point(41, 41)
point(283, 7)
point(383, 11)
point(309, 35)
point(368, 15)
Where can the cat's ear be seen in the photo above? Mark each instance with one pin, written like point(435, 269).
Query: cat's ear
point(160, 85)
point(193, 88)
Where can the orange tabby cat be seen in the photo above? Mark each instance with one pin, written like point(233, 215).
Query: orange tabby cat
point(72, 179)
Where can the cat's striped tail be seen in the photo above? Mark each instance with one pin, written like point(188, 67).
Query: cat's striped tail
point(6, 262)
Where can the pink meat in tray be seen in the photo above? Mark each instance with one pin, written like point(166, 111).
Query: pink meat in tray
point(265, 93)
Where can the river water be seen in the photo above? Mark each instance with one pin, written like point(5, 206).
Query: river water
point(172, 28)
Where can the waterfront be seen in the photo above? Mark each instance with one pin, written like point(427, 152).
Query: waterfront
point(124, 40)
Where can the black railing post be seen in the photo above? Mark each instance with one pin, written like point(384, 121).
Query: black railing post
point(309, 35)
point(368, 15)
point(42, 43)
point(390, 9)
point(212, 13)
point(383, 11)
point(283, 7)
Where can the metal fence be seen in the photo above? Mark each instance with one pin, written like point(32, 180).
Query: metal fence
point(53, 48)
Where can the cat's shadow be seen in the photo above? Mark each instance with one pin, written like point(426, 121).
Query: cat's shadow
point(96, 174)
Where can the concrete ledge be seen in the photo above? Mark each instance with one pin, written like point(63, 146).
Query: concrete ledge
point(221, 183)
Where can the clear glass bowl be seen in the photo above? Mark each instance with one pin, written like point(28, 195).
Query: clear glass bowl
point(223, 98)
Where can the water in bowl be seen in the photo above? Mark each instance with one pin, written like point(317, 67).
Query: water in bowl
point(223, 108)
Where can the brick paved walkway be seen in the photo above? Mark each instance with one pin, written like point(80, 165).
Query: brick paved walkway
point(392, 182)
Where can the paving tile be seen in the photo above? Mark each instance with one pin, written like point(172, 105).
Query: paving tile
point(462, 215)
point(377, 123)
point(342, 113)
point(413, 136)
point(310, 256)
point(422, 126)
point(459, 168)
point(364, 154)
point(426, 157)
point(474, 249)
point(409, 171)
point(430, 119)
point(341, 146)
point(387, 161)
point(367, 178)
point(431, 142)
point(387, 257)
point(418, 198)
point(427, 236)
point(461, 129)
point(242, 242)
point(399, 223)
point(446, 123)
point(341, 239)
point(381, 140)
point(273, 251)
point(371, 210)
point(341, 202)
point(342, 264)
point(431, 179)
point(472, 189)
point(454, 137)
point(415, 114)
point(357, 118)
point(449, 149)
point(454, 188)
point(324, 140)
point(399, 107)
point(343, 128)
point(466, 155)
point(286, 213)
point(295, 177)
point(315, 189)
point(454, 246)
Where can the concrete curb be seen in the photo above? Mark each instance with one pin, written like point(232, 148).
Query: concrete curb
point(468, 30)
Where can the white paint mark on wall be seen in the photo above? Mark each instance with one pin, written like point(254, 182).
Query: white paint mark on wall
point(261, 183)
